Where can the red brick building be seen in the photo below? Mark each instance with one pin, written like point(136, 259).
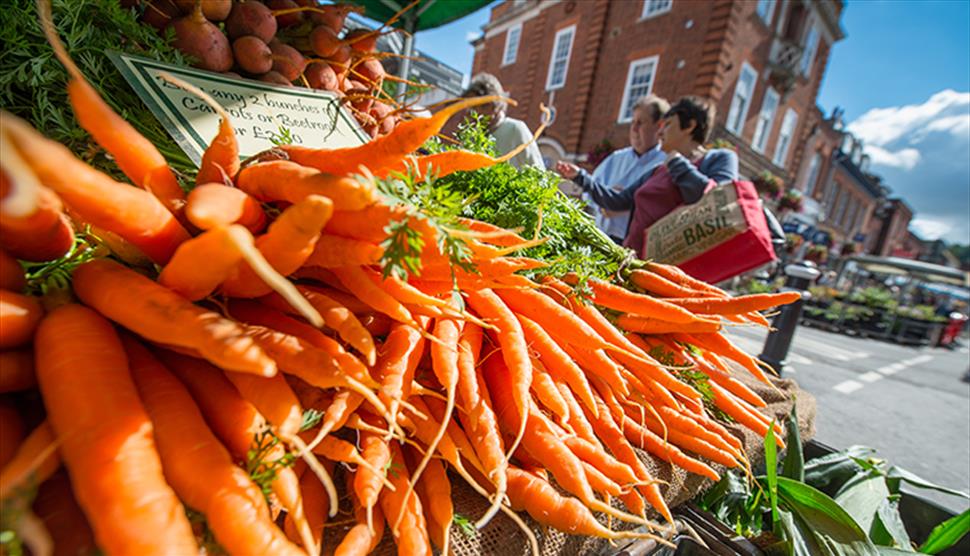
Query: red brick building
point(760, 61)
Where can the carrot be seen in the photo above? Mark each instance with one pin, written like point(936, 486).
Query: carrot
point(367, 483)
point(541, 441)
point(237, 422)
point(133, 214)
point(690, 442)
point(282, 180)
point(491, 233)
point(56, 506)
point(597, 364)
point(220, 252)
point(384, 152)
point(234, 506)
point(211, 204)
point(397, 360)
point(19, 316)
point(737, 305)
point(44, 234)
point(34, 461)
point(715, 370)
point(691, 425)
point(220, 161)
point(541, 500)
point(647, 325)
point(335, 316)
point(115, 471)
point(363, 537)
point(557, 362)
point(515, 352)
point(355, 279)
point(642, 438)
point(344, 404)
point(718, 344)
point(736, 410)
point(445, 163)
point(444, 358)
point(317, 504)
point(367, 224)
point(286, 245)
point(681, 278)
point(620, 299)
point(11, 431)
point(134, 153)
point(553, 317)
point(411, 536)
point(12, 276)
point(658, 285)
point(601, 460)
point(161, 315)
point(333, 251)
point(546, 392)
point(434, 491)
point(577, 419)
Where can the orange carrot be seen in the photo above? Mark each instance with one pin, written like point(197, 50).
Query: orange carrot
point(19, 316)
point(737, 305)
point(133, 214)
point(161, 315)
point(547, 393)
point(42, 235)
point(397, 360)
point(11, 273)
point(234, 506)
point(647, 325)
point(556, 319)
point(642, 438)
point(620, 299)
point(367, 484)
point(679, 277)
point(34, 461)
point(282, 180)
point(211, 204)
point(597, 364)
point(718, 344)
point(557, 362)
point(748, 417)
point(56, 506)
point(11, 431)
point(355, 279)
point(384, 152)
point(493, 234)
point(115, 471)
point(658, 285)
point(286, 245)
point(411, 537)
point(363, 537)
point(599, 458)
point(434, 490)
point(134, 153)
point(333, 251)
point(316, 503)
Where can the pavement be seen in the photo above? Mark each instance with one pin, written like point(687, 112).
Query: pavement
point(910, 404)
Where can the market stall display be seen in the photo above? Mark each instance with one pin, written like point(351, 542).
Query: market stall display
point(309, 307)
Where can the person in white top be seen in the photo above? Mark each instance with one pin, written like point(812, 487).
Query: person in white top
point(622, 172)
point(509, 132)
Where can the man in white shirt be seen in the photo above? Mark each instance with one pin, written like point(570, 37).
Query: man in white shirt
point(509, 132)
point(616, 179)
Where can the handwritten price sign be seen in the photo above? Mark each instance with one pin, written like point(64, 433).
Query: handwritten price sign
point(262, 114)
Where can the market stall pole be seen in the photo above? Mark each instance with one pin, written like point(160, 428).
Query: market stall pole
point(800, 277)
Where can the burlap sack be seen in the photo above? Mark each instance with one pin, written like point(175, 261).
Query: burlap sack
point(503, 538)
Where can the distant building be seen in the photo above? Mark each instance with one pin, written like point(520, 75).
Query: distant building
point(893, 218)
point(760, 61)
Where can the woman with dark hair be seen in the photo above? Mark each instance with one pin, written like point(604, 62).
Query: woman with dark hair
point(689, 171)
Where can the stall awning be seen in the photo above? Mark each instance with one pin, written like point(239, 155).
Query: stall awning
point(928, 272)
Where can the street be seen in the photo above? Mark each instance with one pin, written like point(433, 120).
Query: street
point(908, 403)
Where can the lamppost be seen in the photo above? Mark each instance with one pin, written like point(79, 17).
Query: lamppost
point(799, 278)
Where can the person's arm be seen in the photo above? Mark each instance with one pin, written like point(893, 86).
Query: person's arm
point(720, 165)
point(604, 195)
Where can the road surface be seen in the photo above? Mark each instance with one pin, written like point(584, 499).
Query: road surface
point(908, 403)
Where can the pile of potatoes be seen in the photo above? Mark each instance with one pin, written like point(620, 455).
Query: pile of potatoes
point(284, 42)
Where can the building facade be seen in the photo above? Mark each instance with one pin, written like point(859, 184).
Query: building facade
point(759, 61)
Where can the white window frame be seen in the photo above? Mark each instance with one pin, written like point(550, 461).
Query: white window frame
point(812, 38)
point(766, 120)
point(768, 7)
point(516, 31)
point(650, 10)
point(734, 116)
point(624, 118)
point(814, 167)
point(785, 136)
point(571, 31)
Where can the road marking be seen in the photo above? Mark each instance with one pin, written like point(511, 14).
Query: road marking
point(890, 369)
point(791, 370)
point(814, 346)
point(848, 386)
point(919, 360)
point(800, 359)
point(964, 350)
point(870, 376)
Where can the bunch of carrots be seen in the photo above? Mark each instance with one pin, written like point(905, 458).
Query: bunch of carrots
point(221, 384)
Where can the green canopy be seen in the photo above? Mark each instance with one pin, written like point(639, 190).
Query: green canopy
point(426, 14)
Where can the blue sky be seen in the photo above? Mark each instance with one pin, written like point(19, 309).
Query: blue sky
point(903, 77)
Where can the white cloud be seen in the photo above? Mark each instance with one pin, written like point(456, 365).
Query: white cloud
point(881, 126)
point(472, 35)
point(904, 158)
point(922, 152)
point(927, 228)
